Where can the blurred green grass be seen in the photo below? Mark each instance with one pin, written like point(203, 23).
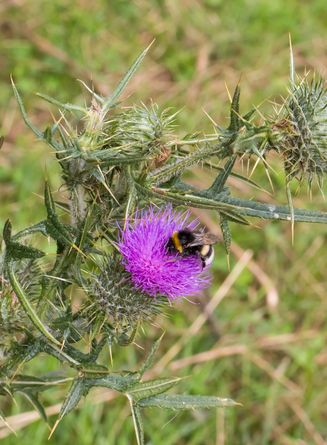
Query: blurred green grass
point(199, 47)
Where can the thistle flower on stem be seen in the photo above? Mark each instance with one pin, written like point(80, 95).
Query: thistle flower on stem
point(155, 271)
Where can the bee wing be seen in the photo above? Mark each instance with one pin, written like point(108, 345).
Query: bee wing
point(204, 238)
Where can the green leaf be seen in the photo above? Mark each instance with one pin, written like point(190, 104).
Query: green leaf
point(150, 358)
point(22, 382)
point(72, 356)
point(22, 353)
point(186, 199)
point(218, 185)
point(67, 106)
point(179, 402)
point(85, 230)
point(19, 251)
point(241, 206)
point(107, 158)
point(24, 301)
point(195, 200)
point(152, 388)
point(225, 230)
point(234, 217)
point(270, 211)
point(234, 125)
point(7, 230)
point(79, 388)
point(35, 130)
point(138, 423)
point(111, 101)
point(54, 227)
point(121, 383)
point(246, 119)
point(49, 201)
point(36, 228)
point(2, 139)
point(16, 250)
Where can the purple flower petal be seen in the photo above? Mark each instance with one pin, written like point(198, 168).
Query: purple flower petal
point(153, 270)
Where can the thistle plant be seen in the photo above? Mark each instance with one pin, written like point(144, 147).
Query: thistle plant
point(124, 197)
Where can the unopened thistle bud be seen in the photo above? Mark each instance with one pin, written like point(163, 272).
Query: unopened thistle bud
point(304, 131)
point(143, 129)
point(92, 137)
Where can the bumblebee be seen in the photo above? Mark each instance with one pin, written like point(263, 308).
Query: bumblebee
point(187, 243)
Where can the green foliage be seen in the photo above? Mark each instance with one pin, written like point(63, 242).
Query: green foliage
point(178, 402)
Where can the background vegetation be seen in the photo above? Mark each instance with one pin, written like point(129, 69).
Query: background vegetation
point(261, 341)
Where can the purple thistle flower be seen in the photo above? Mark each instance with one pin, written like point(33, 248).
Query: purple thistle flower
point(155, 271)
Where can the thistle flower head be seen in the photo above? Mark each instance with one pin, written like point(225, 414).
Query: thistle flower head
point(304, 145)
point(143, 128)
point(155, 271)
point(115, 297)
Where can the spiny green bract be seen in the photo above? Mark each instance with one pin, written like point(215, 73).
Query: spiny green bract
point(113, 299)
point(141, 129)
point(304, 146)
